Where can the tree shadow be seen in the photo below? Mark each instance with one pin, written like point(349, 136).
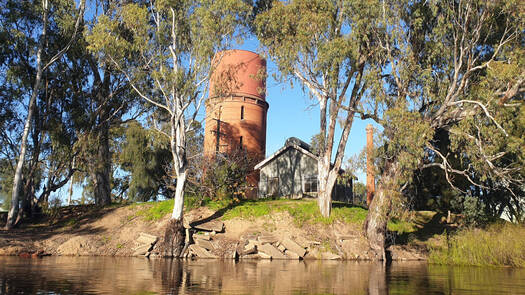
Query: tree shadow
point(219, 213)
point(338, 204)
point(425, 230)
point(68, 220)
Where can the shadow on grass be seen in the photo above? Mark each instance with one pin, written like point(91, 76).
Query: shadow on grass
point(70, 220)
point(219, 213)
point(424, 230)
point(337, 204)
point(290, 205)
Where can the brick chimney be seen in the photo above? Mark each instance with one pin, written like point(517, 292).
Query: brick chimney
point(370, 175)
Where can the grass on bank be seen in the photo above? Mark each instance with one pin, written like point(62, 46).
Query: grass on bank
point(501, 244)
point(302, 211)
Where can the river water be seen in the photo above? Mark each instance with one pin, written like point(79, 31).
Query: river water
point(110, 275)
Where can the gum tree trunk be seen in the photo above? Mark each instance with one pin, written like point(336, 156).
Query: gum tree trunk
point(101, 174)
point(375, 226)
point(174, 236)
point(17, 181)
point(327, 178)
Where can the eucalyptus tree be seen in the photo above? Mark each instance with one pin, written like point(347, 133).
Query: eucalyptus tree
point(166, 51)
point(449, 96)
point(144, 154)
point(328, 47)
point(42, 60)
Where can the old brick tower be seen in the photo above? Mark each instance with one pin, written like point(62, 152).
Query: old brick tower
point(236, 108)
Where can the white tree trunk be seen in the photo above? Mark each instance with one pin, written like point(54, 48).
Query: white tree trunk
point(327, 179)
point(178, 152)
point(178, 207)
point(17, 181)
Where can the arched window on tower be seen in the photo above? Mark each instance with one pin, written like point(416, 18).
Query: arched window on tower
point(242, 112)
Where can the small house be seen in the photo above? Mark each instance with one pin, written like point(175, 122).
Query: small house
point(292, 172)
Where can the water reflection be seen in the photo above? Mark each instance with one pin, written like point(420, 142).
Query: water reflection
point(99, 275)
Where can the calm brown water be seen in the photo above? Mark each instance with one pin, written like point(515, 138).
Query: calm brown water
point(99, 275)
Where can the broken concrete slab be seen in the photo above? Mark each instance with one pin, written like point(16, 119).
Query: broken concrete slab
point(254, 242)
point(267, 239)
point(141, 250)
point(330, 256)
point(250, 249)
point(251, 256)
point(291, 245)
point(204, 244)
point(202, 237)
point(147, 239)
point(291, 255)
point(264, 255)
point(270, 250)
point(212, 226)
point(201, 252)
point(281, 248)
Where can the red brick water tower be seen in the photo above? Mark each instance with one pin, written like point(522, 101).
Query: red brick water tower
point(236, 108)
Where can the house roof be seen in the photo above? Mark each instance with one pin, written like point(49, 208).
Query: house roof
point(290, 143)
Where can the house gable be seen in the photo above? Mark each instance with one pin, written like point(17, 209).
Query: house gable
point(285, 172)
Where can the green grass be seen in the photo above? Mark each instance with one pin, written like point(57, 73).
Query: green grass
point(302, 211)
point(401, 226)
point(153, 211)
point(497, 245)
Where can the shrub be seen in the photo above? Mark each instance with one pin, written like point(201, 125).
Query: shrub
point(472, 209)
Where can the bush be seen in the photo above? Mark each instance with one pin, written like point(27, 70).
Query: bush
point(225, 175)
point(472, 209)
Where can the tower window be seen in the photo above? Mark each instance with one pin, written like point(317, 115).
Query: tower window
point(242, 113)
point(240, 142)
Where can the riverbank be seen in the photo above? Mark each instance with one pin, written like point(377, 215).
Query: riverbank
point(245, 230)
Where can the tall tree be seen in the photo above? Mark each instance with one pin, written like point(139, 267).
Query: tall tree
point(166, 51)
point(441, 102)
point(329, 48)
point(41, 65)
point(144, 155)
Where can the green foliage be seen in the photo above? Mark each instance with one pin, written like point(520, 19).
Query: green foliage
point(145, 157)
point(226, 175)
point(407, 135)
point(316, 144)
point(472, 209)
point(166, 50)
point(498, 245)
point(200, 29)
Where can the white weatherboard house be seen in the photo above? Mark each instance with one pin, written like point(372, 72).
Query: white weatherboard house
point(292, 172)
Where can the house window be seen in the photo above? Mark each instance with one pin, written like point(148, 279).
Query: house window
point(242, 112)
point(273, 186)
point(310, 184)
